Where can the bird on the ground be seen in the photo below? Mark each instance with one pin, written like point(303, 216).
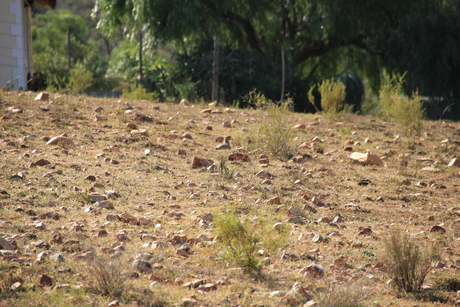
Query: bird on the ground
point(225, 144)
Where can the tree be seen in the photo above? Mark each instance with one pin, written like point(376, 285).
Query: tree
point(49, 36)
point(316, 35)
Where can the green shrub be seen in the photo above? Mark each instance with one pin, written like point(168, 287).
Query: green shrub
point(407, 111)
point(275, 133)
point(137, 92)
point(332, 97)
point(238, 241)
point(80, 79)
point(407, 262)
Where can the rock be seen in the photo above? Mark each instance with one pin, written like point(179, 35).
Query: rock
point(90, 178)
point(238, 156)
point(96, 197)
point(182, 152)
point(201, 162)
point(454, 162)
point(131, 126)
point(41, 162)
point(294, 211)
point(273, 201)
point(184, 102)
point(263, 159)
point(143, 132)
point(4, 244)
point(43, 96)
point(41, 256)
point(438, 229)
point(317, 238)
point(122, 236)
point(46, 280)
point(314, 270)
point(263, 174)
point(106, 204)
point(366, 158)
point(226, 124)
point(61, 140)
point(57, 257)
point(142, 266)
point(17, 286)
point(431, 169)
point(182, 253)
point(297, 220)
point(188, 302)
point(365, 232)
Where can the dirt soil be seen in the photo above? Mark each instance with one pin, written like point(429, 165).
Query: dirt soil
point(100, 205)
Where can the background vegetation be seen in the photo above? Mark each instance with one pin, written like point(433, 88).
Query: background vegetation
point(319, 40)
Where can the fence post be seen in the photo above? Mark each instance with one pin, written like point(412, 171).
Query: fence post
point(215, 70)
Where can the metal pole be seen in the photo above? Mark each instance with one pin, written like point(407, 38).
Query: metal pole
point(215, 70)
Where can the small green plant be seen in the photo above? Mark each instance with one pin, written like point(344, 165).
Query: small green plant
point(80, 79)
point(407, 262)
point(332, 97)
point(224, 170)
point(275, 133)
point(138, 92)
point(407, 111)
point(238, 241)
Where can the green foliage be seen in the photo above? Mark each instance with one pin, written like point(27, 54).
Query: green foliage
point(49, 35)
point(275, 133)
point(407, 262)
point(239, 241)
point(80, 79)
point(224, 170)
point(137, 92)
point(332, 97)
point(408, 111)
point(317, 37)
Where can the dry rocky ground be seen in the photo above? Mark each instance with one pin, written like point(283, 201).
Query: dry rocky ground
point(100, 205)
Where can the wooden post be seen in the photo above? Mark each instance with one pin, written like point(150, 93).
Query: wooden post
point(141, 71)
point(215, 70)
point(69, 48)
point(283, 73)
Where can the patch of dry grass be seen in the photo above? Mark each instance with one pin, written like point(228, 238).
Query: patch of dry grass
point(166, 210)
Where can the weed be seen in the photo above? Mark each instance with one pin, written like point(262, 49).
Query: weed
point(108, 278)
point(332, 96)
point(407, 111)
point(137, 92)
point(408, 263)
point(448, 283)
point(275, 133)
point(238, 242)
point(80, 79)
point(340, 296)
point(223, 170)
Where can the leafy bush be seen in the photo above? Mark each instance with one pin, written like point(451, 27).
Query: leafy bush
point(238, 241)
point(275, 133)
point(80, 79)
point(332, 97)
point(407, 111)
point(137, 92)
point(408, 263)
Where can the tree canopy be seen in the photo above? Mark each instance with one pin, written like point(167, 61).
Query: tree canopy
point(420, 37)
